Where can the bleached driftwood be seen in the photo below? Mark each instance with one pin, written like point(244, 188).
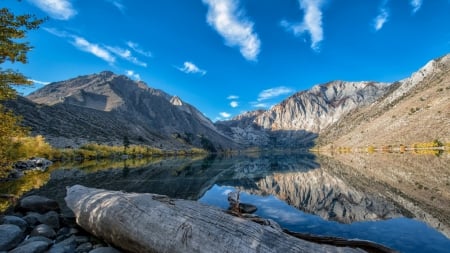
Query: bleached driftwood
point(156, 223)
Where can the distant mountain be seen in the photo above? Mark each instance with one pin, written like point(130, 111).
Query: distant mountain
point(298, 120)
point(352, 114)
point(416, 109)
point(106, 107)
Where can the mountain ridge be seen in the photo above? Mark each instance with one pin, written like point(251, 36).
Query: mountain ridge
point(104, 107)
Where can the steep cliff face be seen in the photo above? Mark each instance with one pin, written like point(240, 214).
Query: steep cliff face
point(319, 107)
point(296, 121)
point(106, 107)
point(416, 109)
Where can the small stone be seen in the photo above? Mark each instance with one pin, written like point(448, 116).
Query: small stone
point(21, 223)
point(43, 230)
point(66, 246)
point(35, 239)
point(33, 218)
point(38, 204)
point(51, 218)
point(105, 250)
point(81, 239)
point(247, 208)
point(32, 247)
point(10, 236)
point(84, 247)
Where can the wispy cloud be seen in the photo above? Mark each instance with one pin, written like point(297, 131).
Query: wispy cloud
point(133, 75)
point(234, 104)
point(102, 51)
point(225, 115)
point(312, 22)
point(57, 9)
point(273, 92)
point(382, 17)
point(232, 97)
point(136, 48)
point(95, 49)
point(416, 4)
point(118, 4)
point(191, 68)
point(259, 105)
point(126, 54)
point(233, 26)
point(84, 45)
point(38, 82)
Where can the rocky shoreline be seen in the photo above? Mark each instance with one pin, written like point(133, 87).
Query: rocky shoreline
point(36, 225)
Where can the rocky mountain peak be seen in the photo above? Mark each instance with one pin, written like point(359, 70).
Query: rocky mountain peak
point(175, 100)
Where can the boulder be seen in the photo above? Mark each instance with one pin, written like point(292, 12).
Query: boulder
point(31, 247)
point(10, 236)
point(21, 223)
point(104, 250)
point(43, 230)
point(38, 204)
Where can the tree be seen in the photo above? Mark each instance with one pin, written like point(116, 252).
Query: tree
point(13, 29)
point(126, 143)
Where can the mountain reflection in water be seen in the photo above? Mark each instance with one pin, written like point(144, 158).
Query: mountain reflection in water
point(379, 197)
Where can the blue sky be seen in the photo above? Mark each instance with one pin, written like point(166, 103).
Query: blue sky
point(230, 56)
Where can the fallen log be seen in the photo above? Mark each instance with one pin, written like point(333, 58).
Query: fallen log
point(156, 223)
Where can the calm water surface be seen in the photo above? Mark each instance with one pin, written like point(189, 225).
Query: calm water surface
point(399, 200)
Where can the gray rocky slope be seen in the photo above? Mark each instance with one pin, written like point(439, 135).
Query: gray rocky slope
point(106, 107)
point(297, 120)
point(343, 110)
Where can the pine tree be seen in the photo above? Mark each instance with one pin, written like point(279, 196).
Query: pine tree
point(13, 29)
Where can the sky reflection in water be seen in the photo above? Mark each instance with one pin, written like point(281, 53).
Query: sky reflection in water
point(403, 234)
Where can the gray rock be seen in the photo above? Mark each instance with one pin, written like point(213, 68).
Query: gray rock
point(81, 239)
point(67, 246)
point(105, 250)
point(32, 218)
point(10, 236)
point(43, 230)
point(36, 239)
point(38, 204)
point(84, 247)
point(51, 218)
point(21, 223)
point(32, 247)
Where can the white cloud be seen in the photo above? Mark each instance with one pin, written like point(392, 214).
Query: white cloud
point(232, 97)
point(312, 22)
point(233, 26)
point(118, 4)
point(84, 45)
point(274, 92)
point(259, 105)
point(104, 52)
point(381, 19)
point(136, 48)
point(133, 75)
point(416, 4)
point(225, 115)
point(126, 54)
point(191, 68)
point(57, 9)
point(234, 104)
point(38, 82)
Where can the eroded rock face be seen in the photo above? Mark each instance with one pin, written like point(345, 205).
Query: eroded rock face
point(297, 120)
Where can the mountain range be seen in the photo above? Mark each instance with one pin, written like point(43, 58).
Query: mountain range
point(106, 107)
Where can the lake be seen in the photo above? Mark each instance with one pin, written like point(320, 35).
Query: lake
point(399, 200)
